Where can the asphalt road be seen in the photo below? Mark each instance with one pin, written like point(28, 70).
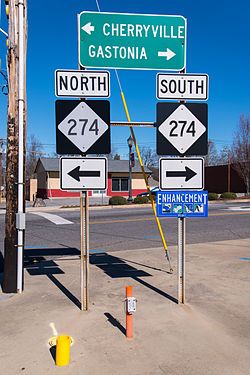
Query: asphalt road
point(129, 228)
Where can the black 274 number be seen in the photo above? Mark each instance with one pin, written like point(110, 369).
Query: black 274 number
point(181, 127)
point(93, 126)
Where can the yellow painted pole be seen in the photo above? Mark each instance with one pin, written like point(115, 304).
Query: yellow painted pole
point(145, 178)
point(63, 350)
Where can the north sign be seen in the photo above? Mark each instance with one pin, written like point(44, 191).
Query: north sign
point(132, 41)
point(182, 86)
point(181, 173)
point(182, 129)
point(82, 83)
point(182, 203)
point(82, 127)
point(83, 173)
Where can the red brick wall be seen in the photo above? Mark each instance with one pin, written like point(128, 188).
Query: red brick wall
point(57, 193)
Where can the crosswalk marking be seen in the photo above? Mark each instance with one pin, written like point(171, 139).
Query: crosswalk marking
point(56, 219)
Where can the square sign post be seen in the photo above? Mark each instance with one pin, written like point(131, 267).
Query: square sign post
point(132, 41)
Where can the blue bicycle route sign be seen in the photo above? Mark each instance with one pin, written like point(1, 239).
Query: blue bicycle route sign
point(182, 203)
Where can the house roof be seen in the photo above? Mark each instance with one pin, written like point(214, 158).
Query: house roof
point(119, 166)
point(49, 164)
point(122, 166)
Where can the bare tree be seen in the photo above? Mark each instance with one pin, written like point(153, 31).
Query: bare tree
point(241, 150)
point(149, 156)
point(34, 152)
point(212, 156)
point(224, 155)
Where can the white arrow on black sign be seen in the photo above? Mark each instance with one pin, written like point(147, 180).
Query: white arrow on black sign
point(83, 173)
point(83, 127)
point(180, 173)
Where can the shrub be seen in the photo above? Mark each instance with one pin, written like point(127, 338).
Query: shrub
point(154, 197)
point(141, 200)
point(117, 200)
point(228, 195)
point(213, 196)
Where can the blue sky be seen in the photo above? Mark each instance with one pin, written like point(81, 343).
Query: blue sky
point(217, 44)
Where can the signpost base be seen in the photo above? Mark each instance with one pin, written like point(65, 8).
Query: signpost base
point(84, 210)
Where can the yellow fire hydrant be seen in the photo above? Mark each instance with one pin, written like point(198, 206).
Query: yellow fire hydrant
point(63, 350)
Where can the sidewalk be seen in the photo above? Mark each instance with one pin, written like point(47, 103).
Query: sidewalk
point(208, 335)
point(95, 203)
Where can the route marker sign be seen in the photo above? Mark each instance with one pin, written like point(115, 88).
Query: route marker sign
point(181, 173)
point(182, 86)
point(82, 83)
point(182, 203)
point(132, 41)
point(82, 127)
point(83, 173)
point(181, 129)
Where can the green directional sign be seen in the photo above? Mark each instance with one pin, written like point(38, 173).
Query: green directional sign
point(132, 41)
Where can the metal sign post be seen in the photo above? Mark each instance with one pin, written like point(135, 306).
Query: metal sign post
point(181, 259)
point(84, 210)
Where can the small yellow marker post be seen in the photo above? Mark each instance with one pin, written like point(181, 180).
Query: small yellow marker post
point(63, 350)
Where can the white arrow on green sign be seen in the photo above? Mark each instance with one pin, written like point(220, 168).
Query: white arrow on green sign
point(132, 41)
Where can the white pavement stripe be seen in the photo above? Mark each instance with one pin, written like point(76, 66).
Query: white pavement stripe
point(242, 208)
point(56, 219)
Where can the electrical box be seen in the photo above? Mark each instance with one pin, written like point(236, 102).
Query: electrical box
point(20, 220)
point(131, 305)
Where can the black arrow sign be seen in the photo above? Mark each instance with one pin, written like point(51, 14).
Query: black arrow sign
point(76, 173)
point(188, 174)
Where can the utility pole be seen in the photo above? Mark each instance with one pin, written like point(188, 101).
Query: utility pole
point(16, 134)
point(228, 171)
point(1, 168)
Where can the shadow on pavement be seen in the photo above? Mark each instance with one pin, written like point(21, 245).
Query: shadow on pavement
point(112, 320)
point(116, 267)
point(146, 266)
point(53, 352)
point(157, 290)
point(1, 262)
point(41, 266)
point(57, 251)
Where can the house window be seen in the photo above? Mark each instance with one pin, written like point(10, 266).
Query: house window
point(119, 184)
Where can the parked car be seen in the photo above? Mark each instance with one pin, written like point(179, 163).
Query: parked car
point(152, 190)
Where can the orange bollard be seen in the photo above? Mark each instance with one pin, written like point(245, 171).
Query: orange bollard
point(129, 316)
